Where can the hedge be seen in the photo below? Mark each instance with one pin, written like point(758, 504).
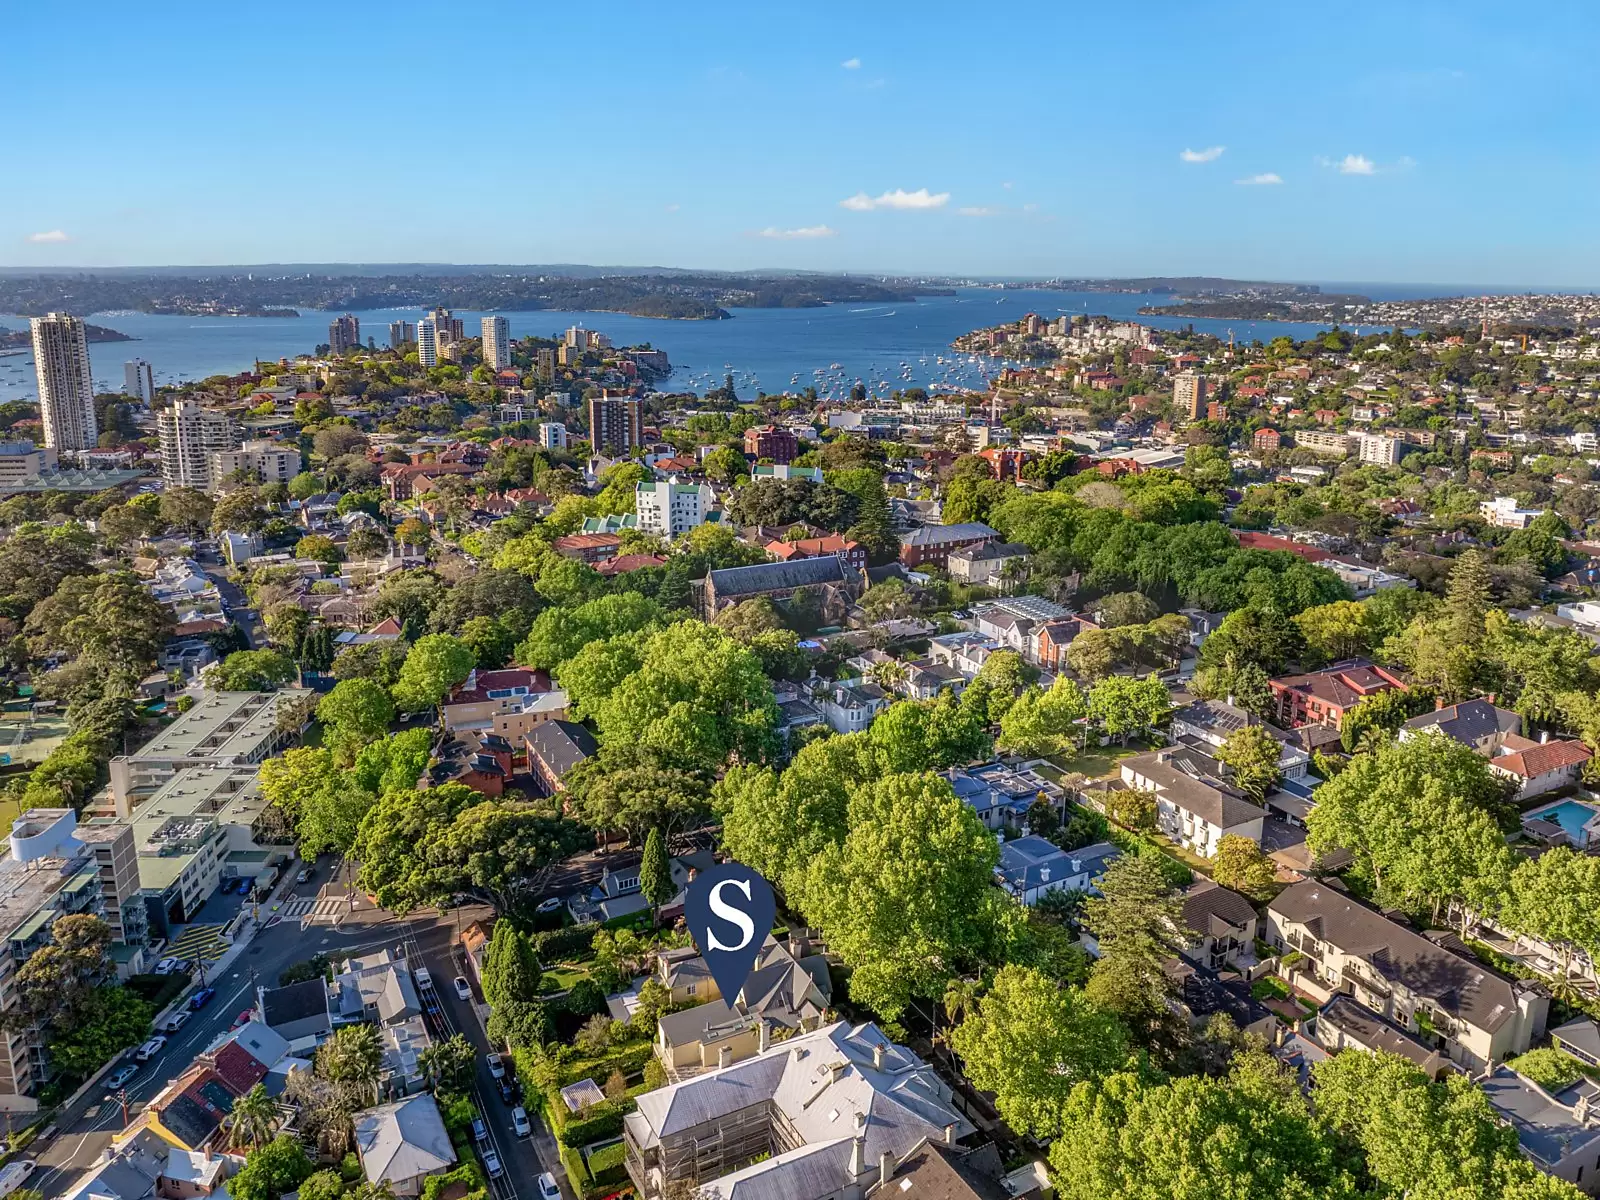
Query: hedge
point(555, 945)
point(630, 1061)
point(577, 1173)
point(609, 1164)
point(600, 1121)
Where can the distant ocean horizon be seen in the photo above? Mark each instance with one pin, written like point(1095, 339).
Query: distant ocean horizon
point(886, 346)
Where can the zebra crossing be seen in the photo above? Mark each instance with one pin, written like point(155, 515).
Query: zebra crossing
point(312, 910)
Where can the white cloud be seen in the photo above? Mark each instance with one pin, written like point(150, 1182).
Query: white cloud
point(1006, 185)
point(899, 198)
point(1360, 164)
point(1263, 178)
point(672, 208)
point(54, 235)
point(851, 64)
point(1209, 154)
point(786, 235)
point(978, 210)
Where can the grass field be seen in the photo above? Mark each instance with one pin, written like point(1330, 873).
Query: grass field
point(32, 743)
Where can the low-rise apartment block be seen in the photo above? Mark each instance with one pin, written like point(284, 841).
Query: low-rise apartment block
point(1438, 994)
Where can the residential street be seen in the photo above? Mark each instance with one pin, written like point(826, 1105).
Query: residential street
point(86, 1129)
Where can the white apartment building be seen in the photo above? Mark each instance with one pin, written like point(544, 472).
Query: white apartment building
point(23, 460)
point(496, 343)
point(427, 342)
point(672, 508)
point(1379, 448)
point(66, 389)
point(139, 381)
point(553, 435)
point(189, 436)
point(270, 462)
point(1505, 513)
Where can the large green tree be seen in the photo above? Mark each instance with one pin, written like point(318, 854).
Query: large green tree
point(435, 664)
point(1137, 922)
point(1030, 1042)
point(907, 898)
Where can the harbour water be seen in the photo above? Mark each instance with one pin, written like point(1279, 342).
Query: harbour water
point(886, 346)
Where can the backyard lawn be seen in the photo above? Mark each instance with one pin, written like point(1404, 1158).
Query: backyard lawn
point(1096, 761)
point(561, 977)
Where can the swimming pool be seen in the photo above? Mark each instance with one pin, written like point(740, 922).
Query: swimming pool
point(1572, 816)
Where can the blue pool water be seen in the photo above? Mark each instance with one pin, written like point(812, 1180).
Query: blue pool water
point(1572, 816)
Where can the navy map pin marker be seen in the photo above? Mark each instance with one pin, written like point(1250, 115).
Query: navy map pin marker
point(730, 910)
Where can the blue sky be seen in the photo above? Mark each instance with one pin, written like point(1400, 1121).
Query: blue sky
point(1438, 142)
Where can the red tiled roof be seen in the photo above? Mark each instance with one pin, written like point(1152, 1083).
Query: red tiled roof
point(1543, 758)
point(487, 681)
point(624, 563)
point(238, 1068)
point(1266, 541)
point(387, 626)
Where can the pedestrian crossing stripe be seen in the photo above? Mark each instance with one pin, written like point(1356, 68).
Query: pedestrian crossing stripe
point(310, 906)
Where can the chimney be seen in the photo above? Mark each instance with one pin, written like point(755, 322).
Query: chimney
point(836, 1071)
point(1438, 703)
point(1544, 736)
point(950, 1134)
point(724, 1056)
point(765, 1038)
point(885, 1168)
point(858, 1157)
point(877, 1056)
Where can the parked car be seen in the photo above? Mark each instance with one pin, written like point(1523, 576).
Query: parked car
point(243, 1019)
point(508, 1090)
point(549, 905)
point(463, 988)
point(519, 1121)
point(202, 998)
point(480, 1131)
point(491, 1164)
point(497, 1066)
point(548, 1189)
point(175, 1022)
point(168, 965)
point(150, 1049)
point(424, 979)
point(120, 1076)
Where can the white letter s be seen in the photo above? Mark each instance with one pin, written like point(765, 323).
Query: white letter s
point(731, 915)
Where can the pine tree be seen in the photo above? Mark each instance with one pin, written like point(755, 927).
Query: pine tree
point(511, 971)
point(655, 872)
point(1467, 599)
point(674, 591)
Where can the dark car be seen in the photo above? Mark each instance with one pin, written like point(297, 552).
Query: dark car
point(480, 1131)
point(202, 998)
point(508, 1090)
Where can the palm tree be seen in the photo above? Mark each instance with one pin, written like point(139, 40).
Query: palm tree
point(253, 1118)
point(889, 674)
point(959, 996)
point(353, 1056)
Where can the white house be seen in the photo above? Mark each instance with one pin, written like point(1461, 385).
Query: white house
point(1030, 867)
point(1194, 807)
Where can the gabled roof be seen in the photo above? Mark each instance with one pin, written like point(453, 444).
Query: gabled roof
point(1542, 758)
point(1461, 987)
point(561, 745)
point(944, 535)
point(403, 1140)
point(1468, 722)
point(771, 577)
point(1212, 910)
point(1182, 776)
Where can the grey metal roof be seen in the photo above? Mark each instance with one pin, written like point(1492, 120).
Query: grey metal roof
point(1582, 1034)
point(944, 535)
point(1213, 910)
point(1546, 1126)
point(1361, 1024)
point(403, 1140)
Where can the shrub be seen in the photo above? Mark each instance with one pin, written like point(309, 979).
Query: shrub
point(557, 945)
point(655, 1075)
point(1548, 1067)
point(350, 1168)
point(608, 1165)
point(598, 1121)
